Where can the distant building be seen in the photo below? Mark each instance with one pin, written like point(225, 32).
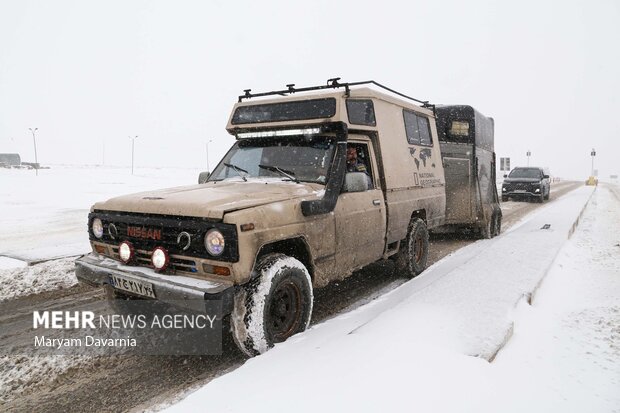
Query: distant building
point(10, 159)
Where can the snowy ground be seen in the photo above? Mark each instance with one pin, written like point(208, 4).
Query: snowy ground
point(374, 351)
point(26, 280)
point(565, 352)
point(44, 217)
point(430, 344)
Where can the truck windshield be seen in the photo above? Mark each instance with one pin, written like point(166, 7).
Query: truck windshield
point(525, 173)
point(291, 158)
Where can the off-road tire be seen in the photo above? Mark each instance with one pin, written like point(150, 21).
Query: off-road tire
point(273, 306)
point(486, 229)
point(413, 253)
point(540, 199)
point(547, 196)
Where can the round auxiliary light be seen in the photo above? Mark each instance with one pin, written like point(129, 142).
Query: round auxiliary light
point(214, 242)
point(126, 251)
point(97, 227)
point(160, 258)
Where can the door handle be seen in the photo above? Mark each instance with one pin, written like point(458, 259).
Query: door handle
point(376, 202)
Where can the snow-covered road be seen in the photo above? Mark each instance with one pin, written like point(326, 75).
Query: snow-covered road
point(412, 348)
point(135, 382)
point(565, 352)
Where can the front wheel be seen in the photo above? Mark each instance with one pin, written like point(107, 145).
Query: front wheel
point(413, 254)
point(273, 306)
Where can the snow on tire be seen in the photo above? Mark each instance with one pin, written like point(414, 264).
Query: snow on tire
point(413, 254)
point(273, 306)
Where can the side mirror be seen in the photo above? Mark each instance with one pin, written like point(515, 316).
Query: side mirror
point(505, 175)
point(546, 176)
point(355, 182)
point(203, 177)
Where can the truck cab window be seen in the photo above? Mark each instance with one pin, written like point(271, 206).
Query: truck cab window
point(358, 161)
point(302, 158)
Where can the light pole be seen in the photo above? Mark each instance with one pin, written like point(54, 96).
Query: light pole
point(528, 153)
point(133, 140)
point(592, 154)
point(207, 146)
point(34, 139)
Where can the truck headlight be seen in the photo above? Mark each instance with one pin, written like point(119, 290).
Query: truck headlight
point(214, 242)
point(537, 190)
point(503, 188)
point(97, 227)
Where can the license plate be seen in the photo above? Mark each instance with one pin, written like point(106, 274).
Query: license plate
point(520, 190)
point(136, 287)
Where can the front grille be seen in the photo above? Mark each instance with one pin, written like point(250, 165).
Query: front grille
point(148, 231)
point(520, 186)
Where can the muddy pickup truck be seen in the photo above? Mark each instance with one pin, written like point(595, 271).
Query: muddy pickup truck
point(320, 182)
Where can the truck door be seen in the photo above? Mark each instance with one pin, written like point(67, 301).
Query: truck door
point(458, 189)
point(360, 216)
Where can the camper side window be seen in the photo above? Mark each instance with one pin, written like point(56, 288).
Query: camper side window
point(425, 131)
point(417, 129)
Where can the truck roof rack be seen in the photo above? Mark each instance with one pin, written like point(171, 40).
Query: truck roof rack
point(331, 84)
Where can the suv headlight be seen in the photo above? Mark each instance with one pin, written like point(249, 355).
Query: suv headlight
point(214, 242)
point(97, 227)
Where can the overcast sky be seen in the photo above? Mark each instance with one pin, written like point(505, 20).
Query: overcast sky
point(90, 74)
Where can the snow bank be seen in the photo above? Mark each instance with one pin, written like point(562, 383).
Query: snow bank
point(565, 352)
point(52, 275)
point(413, 346)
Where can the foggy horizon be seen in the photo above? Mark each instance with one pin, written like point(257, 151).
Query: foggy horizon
point(89, 75)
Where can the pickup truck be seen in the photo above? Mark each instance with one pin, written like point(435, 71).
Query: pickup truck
point(321, 181)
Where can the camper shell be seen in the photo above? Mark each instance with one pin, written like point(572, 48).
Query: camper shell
point(467, 146)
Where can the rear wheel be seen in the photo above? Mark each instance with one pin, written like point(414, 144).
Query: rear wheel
point(413, 254)
point(274, 306)
point(487, 228)
point(498, 225)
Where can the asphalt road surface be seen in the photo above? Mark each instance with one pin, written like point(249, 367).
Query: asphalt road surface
point(135, 383)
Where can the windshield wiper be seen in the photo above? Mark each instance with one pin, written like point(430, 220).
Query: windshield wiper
point(284, 172)
point(240, 171)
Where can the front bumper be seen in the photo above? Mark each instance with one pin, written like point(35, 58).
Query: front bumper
point(178, 290)
point(517, 193)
